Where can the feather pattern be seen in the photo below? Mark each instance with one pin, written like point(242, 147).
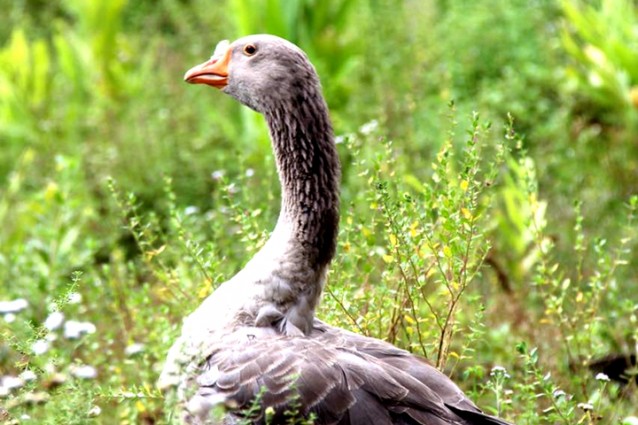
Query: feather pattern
point(333, 376)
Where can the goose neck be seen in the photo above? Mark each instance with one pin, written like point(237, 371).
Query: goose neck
point(309, 173)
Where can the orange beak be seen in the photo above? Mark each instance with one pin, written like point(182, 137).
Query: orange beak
point(213, 72)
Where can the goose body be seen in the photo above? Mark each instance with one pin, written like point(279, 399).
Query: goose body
point(254, 346)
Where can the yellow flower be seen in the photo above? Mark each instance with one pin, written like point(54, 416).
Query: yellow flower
point(447, 251)
point(413, 228)
point(205, 290)
point(51, 191)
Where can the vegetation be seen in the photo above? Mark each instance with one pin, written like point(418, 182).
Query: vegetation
point(489, 199)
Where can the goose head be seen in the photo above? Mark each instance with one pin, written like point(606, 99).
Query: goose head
point(263, 72)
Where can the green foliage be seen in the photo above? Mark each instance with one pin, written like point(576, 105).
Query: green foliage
point(322, 28)
point(42, 238)
point(126, 196)
point(519, 216)
point(436, 245)
point(432, 247)
point(601, 38)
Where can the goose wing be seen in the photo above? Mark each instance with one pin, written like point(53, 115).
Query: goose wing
point(334, 377)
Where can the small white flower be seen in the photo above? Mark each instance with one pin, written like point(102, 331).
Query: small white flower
point(499, 370)
point(54, 321)
point(28, 376)
point(12, 382)
point(559, 393)
point(4, 391)
point(250, 172)
point(217, 175)
point(84, 372)
point(14, 306)
point(95, 411)
point(134, 349)
point(602, 377)
point(75, 298)
point(74, 329)
point(190, 210)
point(232, 188)
point(369, 127)
point(40, 347)
point(587, 407)
point(340, 139)
point(50, 368)
point(9, 317)
point(25, 417)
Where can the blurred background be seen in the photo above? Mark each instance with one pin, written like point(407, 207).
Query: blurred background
point(502, 134)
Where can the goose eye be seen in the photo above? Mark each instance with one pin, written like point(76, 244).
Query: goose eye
point(250, 49)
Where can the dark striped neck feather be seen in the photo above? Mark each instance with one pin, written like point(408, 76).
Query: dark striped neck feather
point(309, 172)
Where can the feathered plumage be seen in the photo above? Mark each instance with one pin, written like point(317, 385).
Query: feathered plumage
point(254, 346)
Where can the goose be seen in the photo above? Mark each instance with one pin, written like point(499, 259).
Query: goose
point(254, 349)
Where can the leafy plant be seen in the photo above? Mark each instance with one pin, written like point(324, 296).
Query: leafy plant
point(433, 249)
point(601, 39)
